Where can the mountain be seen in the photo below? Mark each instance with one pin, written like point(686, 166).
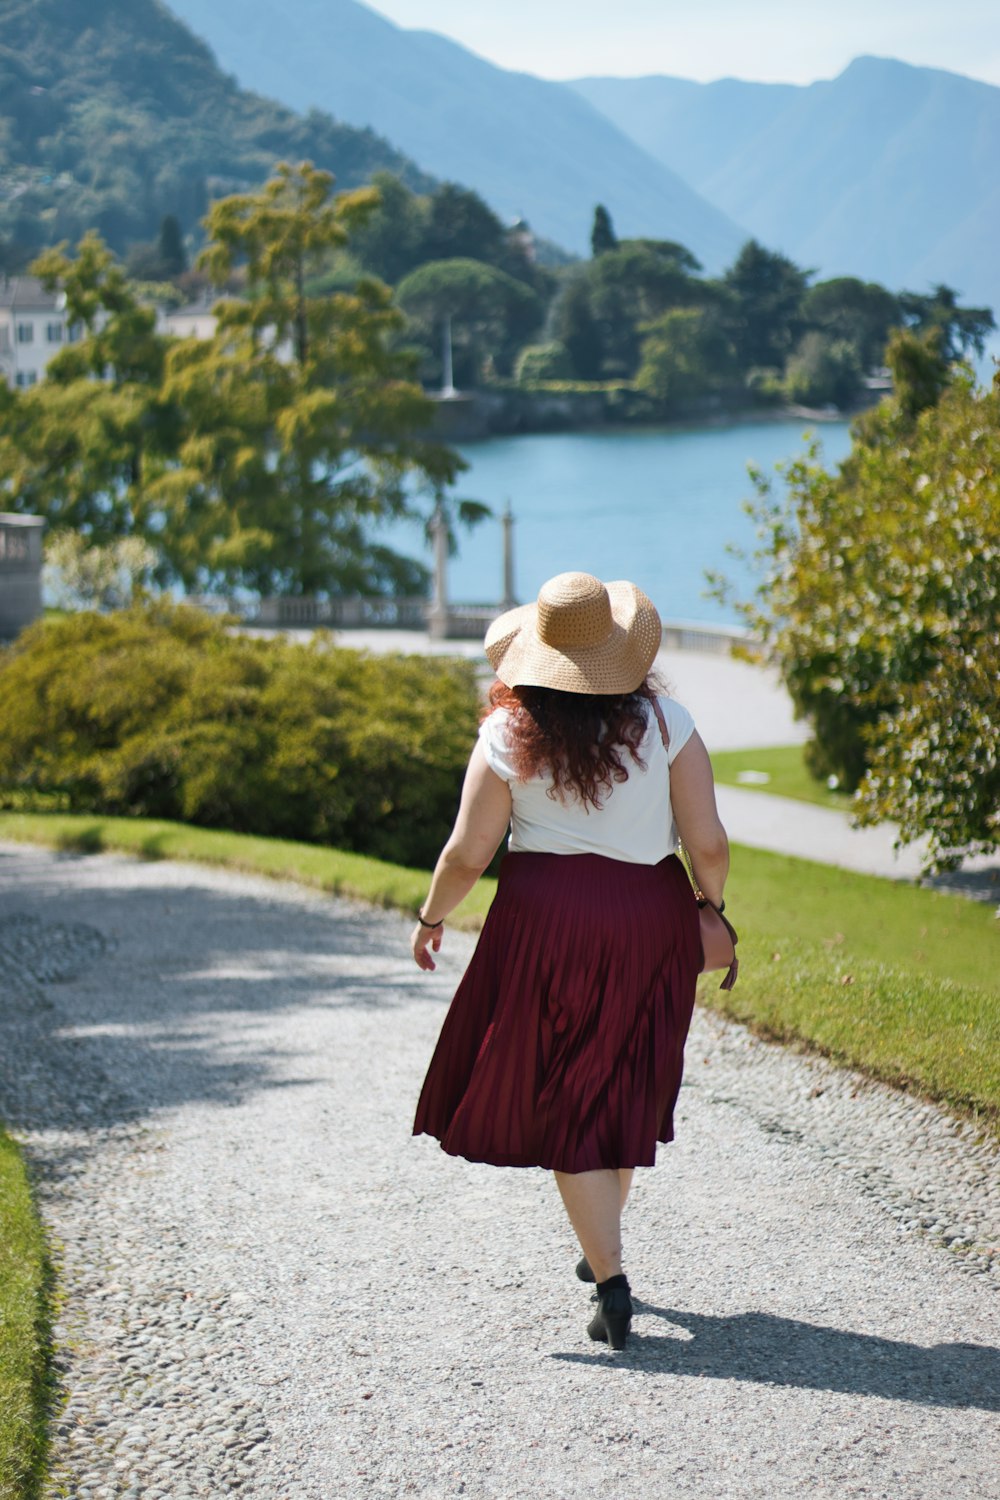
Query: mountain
point(887, 171)
point(112, 115)
point(531, 148)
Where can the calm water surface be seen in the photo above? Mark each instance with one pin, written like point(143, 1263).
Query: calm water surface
point(657, 507)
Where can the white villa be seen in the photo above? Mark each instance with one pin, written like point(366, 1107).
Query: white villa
point(34, 327)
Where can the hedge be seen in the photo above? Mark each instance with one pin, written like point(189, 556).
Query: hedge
point(162, 712)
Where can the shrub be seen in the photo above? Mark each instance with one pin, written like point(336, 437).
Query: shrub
point(878, 604)
point(543, 362)
point(160, 711)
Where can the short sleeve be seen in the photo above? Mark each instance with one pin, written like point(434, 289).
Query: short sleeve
point(493, 738)
point(680, 726)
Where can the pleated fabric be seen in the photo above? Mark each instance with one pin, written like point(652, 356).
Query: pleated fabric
point(564, 1044)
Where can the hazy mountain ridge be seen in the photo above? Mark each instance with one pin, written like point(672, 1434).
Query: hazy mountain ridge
point(887, 171)
point(113, 114)
point(530, 147)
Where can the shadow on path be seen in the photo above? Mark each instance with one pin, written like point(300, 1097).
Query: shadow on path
point(122, 996)
point(769, 1350)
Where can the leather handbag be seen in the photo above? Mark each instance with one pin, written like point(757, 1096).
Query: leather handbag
point(718, 935)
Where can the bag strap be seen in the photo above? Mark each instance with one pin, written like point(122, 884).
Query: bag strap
point(664, 731)
point(699, 894)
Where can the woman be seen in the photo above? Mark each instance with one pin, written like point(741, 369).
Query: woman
point(563, 1047)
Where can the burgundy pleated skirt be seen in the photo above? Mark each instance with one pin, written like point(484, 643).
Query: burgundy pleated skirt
point(564, 1044)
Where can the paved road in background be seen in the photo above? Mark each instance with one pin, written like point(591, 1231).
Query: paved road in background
point(273, 1290)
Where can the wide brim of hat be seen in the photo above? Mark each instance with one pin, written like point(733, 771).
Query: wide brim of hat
point(618, 664)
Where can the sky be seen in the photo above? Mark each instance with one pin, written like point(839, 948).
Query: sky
point(771, 41)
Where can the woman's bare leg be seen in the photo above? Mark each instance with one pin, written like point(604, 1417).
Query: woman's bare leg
point(625, 1175)
point(593, 1201)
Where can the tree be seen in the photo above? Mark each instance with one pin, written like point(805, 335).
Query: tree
point(628, 288)
point(602, 309)
point(78, 575)
point(300, 423)
point(860, 312)
point(963, 330)
point(391, 241)
point(824, 371)
point(602, 236)
point(460, 226)
point(878, 604)
point(766, 291)
point(574, 326)
point(80, 447)
point(258, 459)
point(685, 354)
point(170, 246)
point(492, 313)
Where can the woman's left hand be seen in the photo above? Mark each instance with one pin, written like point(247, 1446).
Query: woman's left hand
point(422, 940)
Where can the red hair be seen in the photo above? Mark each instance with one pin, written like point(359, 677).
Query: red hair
point(580, 739)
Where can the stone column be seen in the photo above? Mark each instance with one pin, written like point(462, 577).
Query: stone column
point(437, 615)
point(20, 572)
point(448, 391)
point(509, 599)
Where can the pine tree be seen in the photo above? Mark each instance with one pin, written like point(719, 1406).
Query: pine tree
point(602, 236)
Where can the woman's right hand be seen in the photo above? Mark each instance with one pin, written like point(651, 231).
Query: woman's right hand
point(423, 940)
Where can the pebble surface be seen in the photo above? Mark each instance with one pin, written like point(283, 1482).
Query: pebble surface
point(273, 1290)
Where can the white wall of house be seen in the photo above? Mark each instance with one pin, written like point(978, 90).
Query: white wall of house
point(33, 327)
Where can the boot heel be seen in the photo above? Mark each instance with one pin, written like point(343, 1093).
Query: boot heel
point(613, 1319)
point(618, 1325)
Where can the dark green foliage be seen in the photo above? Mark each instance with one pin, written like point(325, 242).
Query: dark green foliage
point(492, 314)
point(602, 313)
point(685, 354)
point(963, 330)
point(112, 114)
point(824, 371)
point(162, 713)
point(575, 327)
point(859, 312)
point(766, 308)
point(544, 362)
point(602, 236)
point(173, 257)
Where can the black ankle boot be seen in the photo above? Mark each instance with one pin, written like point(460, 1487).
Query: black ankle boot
point(583, 1270)
point(613, 1317)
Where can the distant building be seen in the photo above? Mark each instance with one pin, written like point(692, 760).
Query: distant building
point(33, 327)
point(195, 320)
point(522, 236)
point(20, 572)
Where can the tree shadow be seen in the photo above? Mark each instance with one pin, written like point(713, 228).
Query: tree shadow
point(123, 996)
point(768, 1350)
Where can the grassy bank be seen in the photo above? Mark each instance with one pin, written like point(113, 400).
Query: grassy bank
point(786, 772)
point(877, 974)
point(24, 1331)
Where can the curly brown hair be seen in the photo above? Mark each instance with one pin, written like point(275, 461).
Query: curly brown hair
point(579, 738)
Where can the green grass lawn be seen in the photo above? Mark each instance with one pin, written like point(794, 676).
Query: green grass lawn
point(24, 1331)
point(880, 975)
point(785, 768)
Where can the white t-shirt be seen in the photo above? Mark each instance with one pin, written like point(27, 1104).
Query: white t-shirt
point(635, 821)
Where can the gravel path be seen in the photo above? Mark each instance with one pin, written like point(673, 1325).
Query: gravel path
point(274, 1291)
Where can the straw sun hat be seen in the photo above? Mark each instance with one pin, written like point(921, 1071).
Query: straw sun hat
point(581, 635)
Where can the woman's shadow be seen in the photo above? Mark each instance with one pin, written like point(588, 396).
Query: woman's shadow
point(756, 1346)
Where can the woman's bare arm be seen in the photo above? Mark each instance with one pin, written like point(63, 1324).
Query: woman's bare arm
point(483, 819)
point(692, 795)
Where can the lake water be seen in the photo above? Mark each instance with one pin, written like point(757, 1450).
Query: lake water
point(657, 507)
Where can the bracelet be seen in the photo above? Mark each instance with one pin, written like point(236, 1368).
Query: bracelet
point(420, 919)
